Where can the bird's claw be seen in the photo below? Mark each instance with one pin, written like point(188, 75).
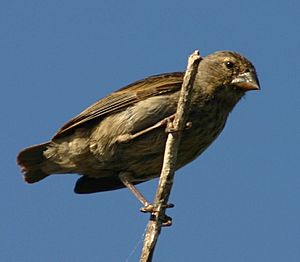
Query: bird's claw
point(169, 205)
point(170, 126)
point(167, 222)
point(188, 125)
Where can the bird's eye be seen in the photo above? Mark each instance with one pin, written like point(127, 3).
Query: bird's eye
point(229, 64)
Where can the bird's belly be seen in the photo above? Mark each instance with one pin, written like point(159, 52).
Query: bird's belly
point(143, 156)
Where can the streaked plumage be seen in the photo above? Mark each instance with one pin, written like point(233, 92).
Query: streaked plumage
point(90, 144)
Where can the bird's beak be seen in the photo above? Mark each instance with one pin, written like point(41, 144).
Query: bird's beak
point(246, 81)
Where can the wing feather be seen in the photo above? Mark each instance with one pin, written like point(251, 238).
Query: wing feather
point(126, 96)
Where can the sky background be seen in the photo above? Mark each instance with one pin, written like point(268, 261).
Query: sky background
point(238, 202)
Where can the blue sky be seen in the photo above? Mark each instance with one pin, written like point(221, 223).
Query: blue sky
point(238, 202)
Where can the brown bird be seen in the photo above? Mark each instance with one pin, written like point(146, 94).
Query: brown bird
point(119, 141)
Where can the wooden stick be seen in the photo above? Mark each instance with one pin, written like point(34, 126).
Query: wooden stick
point(158, 218)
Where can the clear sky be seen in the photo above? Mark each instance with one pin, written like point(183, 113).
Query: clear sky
point(238, 202)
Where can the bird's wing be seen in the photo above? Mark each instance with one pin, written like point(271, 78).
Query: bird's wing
point(127, 96)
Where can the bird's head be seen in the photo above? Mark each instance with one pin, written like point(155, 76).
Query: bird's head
point(226, 76)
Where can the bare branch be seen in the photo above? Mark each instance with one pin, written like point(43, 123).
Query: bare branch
point(158, 218)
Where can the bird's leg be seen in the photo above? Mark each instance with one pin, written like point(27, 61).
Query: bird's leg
point(125, 138)
point(126, 178)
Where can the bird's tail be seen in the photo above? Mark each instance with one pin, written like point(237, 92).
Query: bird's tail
point(31, 160)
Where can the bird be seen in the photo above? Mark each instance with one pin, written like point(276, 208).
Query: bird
point(119, 141)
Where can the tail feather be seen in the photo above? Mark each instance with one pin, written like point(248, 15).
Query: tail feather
point(31, 160)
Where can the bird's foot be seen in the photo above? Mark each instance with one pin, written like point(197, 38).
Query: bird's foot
point(149, 208)
point(167, 222)
point(170, 126)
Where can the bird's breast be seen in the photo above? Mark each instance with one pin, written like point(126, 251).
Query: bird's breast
point(143, 155)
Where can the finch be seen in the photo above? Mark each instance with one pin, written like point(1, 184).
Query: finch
point(124, 133)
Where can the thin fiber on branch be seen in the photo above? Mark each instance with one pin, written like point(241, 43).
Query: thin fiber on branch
point(158, 217)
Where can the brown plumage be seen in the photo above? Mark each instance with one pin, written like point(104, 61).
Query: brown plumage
point(92, 144)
